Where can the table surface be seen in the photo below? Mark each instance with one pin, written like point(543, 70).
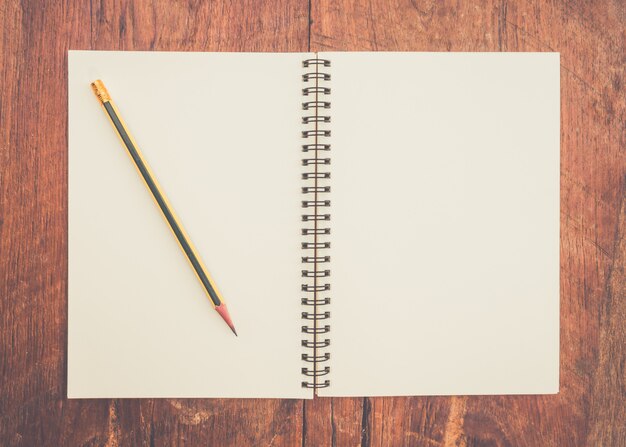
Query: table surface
point(33, 221)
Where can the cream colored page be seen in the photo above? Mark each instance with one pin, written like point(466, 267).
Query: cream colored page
point(221, 133)
point(445, 224)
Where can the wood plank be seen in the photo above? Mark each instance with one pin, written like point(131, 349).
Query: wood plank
point(592, 192)
point(33, 219)
point(607, 410)
point(333, 421)
point(33, 209)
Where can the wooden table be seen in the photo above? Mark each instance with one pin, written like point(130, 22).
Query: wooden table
point(33, 221)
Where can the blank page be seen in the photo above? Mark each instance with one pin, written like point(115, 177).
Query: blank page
point(445, 224)
point(221, 133)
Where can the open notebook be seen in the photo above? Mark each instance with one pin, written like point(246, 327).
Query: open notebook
point(413, 197)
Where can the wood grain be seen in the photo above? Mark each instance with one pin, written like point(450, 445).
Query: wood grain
point(589, 409)
point(33, 221)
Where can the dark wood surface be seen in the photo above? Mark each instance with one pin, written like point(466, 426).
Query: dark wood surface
point(35, 37)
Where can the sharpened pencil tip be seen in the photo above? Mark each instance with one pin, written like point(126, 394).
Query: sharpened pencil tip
point(223, 311)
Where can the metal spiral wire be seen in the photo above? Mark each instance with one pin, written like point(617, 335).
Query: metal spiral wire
point(316, 221)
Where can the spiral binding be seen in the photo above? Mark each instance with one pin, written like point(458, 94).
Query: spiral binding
point(316, 217)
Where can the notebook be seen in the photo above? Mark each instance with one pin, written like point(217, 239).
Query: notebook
point(379, 224)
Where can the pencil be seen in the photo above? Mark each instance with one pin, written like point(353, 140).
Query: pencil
point(168, 212)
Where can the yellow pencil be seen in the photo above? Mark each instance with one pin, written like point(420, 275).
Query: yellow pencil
point(165, 207)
